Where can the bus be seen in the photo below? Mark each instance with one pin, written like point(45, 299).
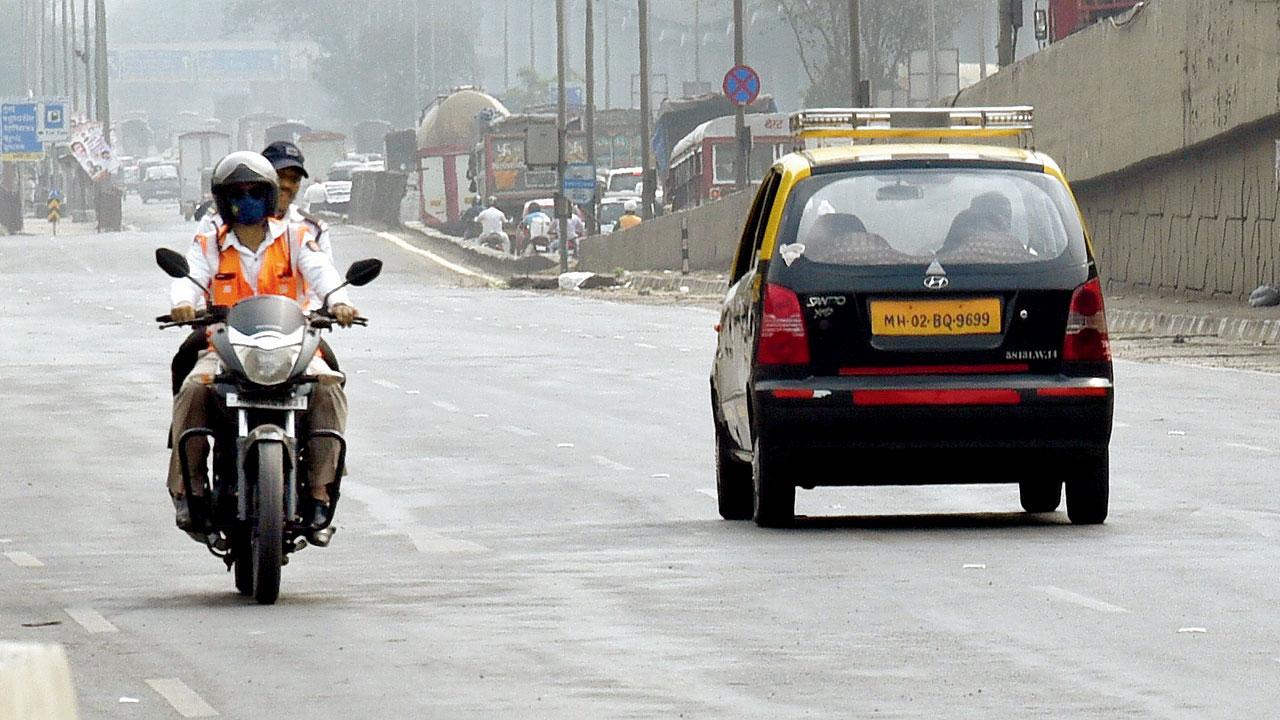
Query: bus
point(703, 162)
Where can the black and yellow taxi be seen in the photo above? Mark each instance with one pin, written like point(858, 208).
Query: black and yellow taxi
point(913, 303)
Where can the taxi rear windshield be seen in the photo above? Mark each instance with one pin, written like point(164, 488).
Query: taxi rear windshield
point(912, 216)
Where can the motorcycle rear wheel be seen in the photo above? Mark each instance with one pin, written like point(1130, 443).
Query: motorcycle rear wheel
point(268, 533)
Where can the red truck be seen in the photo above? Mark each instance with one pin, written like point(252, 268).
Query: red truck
point(1068, 16)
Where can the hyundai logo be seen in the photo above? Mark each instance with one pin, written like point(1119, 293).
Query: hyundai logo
point(936, 282)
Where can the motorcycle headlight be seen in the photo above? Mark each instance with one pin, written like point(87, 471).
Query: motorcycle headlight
point(267, 367)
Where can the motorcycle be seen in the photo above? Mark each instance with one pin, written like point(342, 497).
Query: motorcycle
point(496, 241)
point(249, 514)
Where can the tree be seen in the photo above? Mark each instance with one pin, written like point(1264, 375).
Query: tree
point(366, 50)
point(891, 30)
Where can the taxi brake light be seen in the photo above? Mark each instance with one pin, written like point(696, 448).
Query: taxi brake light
point(1086, 337)
point(783, 339)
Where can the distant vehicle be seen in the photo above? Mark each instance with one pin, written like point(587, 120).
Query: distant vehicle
point(322, 150)
point(498, 167)
point(160, 183)
point(1068, 16)
point(623, 182)
point(370, 136)
point(288, 131)
point(703, 163)
point(337, 188)
point(442, 158)
point(610, 210)
point(198, 152)
point(913, 314)
point(251, 130)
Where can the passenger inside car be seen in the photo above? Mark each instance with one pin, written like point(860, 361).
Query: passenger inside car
point(984, 232)
point(843, 239)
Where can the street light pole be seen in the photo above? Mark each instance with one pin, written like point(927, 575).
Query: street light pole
point(608, 86)
point(506, 45)
point(697, 41)
point(740, 114)
point(855, 55)
point(562, 203)
point(646, 151)
point(589, 60)
point(88, 83)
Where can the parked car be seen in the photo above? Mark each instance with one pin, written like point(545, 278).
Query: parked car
point(910, 315)
point(160, 183)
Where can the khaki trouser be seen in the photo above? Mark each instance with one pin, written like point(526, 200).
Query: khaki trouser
point(196, 403)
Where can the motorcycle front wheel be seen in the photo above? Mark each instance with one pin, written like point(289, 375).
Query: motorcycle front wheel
point(268, 532)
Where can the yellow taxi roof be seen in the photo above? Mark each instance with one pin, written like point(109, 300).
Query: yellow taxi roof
point(854, 154)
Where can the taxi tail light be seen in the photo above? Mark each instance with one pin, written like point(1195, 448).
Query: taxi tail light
point(1086, 339)
point(783, 339)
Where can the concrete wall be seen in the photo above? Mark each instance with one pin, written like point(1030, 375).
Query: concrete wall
point(714, 231)
point(1166, 127)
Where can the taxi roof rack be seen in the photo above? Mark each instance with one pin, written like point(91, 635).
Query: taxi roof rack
point(873, 123)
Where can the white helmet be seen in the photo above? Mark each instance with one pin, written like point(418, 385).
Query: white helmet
point(630, 206)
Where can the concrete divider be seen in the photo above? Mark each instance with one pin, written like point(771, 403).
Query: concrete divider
point(35, 683)
point(714, 231)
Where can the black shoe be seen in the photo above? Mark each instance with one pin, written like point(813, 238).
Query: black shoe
point(182, 513)
point(320, 515)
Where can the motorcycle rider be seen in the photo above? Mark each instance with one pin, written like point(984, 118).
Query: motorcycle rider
point(492, 220)
point(536, 224)
point(254, 253)
point(290, 167)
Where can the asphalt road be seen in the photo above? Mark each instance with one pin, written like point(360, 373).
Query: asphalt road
point(529, 530)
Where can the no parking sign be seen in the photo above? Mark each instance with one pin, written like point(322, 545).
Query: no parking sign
point(742, 85)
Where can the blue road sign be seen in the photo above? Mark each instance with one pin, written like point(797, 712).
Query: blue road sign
point(19, 128)
point(53, 121)
point(741, 85)
point(580, 182)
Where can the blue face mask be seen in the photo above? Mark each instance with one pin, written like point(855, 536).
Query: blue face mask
point(249, 210)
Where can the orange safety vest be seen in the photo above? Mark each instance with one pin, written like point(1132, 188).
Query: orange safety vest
point(277, 276)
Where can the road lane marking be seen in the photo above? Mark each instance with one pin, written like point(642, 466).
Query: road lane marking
point(709, 493)
point(646, 346)
point(182, 698)
point(386, 384)
point(429, 542)
point(91, 620)
point(23, 559)
point(1255, 448)
point(522, 432)
point(1076, 599)
point(397, 516)
point(564, 445)
point(611, 464)
point(434, 258)
point(446, 406)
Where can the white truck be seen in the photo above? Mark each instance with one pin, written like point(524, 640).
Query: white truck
point(198, 153)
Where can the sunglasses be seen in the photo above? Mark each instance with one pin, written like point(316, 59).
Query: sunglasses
point(257, 192)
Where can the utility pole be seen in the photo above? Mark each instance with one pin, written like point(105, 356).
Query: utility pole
point(417, 63)
point(646, 151)
point(75, 64)
point(100, 67)
point(589, 61)
point(697, 41)
point(740, 114)
point(506, 45)
point(982, 41)
point(1004, 44)
point(608, 86)
point(533, 45)
point(44, 50)
point(88, 84)
point(933, 52)
point(66, 53)
point(562, 203)
point(855, 54)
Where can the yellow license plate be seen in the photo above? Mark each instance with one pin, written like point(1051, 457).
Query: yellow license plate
point(935, 317)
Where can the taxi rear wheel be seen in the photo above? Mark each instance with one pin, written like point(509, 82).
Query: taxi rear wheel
point(733, 480)
point(773, 495)
point(1089, 490)
point(1040, 497)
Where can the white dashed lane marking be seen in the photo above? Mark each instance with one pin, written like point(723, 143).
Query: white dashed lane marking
point(611, 464)
point(91, 620)
point(23, 559)
point(711, 493)
point(446, 406)
point(1254, 448)
point(1058, 593)
point(522, 432)
point(386, 384)
point(182, 698)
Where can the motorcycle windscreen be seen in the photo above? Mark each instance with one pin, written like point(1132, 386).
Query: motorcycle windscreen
point(266, 313)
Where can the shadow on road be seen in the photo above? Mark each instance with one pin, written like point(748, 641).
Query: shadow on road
point(933, 521)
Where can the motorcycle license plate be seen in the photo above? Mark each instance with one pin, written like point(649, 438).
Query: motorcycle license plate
point(296, 403)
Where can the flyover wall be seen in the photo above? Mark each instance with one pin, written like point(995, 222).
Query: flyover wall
point(1167, 126)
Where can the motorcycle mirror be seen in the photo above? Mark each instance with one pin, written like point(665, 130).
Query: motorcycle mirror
point(363, 272)
point(172, 263)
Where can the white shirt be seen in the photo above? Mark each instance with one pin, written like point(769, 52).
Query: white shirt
point(491, 220)
point(311, 262)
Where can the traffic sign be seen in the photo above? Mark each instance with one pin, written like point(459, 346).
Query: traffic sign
point(580, 182)
point(742, 85)
point(54, 127)
point(19, 126)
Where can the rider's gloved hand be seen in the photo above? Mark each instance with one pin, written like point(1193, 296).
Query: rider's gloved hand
point(345, 314)
point(183, 313)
